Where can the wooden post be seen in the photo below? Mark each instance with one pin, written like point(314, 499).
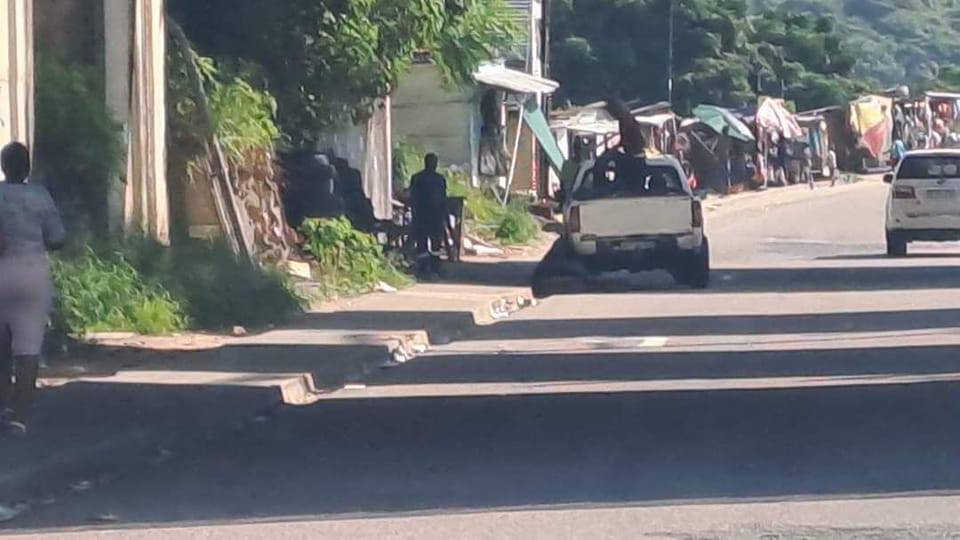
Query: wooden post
point(117, 21)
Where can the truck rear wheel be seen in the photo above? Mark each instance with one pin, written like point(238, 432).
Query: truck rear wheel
point(694, 269)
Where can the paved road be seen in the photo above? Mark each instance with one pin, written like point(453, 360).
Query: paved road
point(813, 392)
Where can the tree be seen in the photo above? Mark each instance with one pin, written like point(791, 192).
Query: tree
point(803, 58)
point(327, 60)
point(605, 47)
point(722, 55)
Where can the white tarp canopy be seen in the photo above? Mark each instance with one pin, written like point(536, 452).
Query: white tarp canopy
point(655, 120)
point(498, 76)
point(772, 114)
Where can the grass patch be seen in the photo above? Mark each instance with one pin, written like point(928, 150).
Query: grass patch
point(97, 293)
point(487, 218)
point(150, 289)
point(350, 261)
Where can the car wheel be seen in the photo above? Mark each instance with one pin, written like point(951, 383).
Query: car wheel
point(896, 246)
point(695, 269)
point(558, 273)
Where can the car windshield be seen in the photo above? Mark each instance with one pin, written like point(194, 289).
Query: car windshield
point(654, 181)
point(929, 167)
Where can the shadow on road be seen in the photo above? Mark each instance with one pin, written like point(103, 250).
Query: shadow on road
point(558, 275)
point(381, 456)
point(866, 321)
point(469, 367)
point(884, 257)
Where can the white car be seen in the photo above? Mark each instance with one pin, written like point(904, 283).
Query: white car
point(924, 200)
point(653, 221)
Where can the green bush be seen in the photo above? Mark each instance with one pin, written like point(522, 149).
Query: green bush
point(516, 225)
point(218, 289)
point(350, 261)
point(487, 218)
point(106, 293)
point(407, 161)
point(78, 147)
point(150, 289)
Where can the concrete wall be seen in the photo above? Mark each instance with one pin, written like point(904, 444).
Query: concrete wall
point(70, 29)
point(432, 116)
point(16, 71)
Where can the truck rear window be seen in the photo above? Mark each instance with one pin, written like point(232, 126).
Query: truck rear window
point(929, 168)
point(656, 181)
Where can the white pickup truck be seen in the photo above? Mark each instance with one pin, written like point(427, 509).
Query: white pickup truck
point(650, 222)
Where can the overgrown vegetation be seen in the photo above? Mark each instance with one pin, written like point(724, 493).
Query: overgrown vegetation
point(146, 288)
point(724, 54)
point(407, 161)
point(79, 149)
point(897, 42)
point(349, 261)
point(487, 218)
point(327, 61)
point(106, 293)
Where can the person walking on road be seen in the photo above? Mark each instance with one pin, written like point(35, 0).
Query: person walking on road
point(832, 165)
point(30, 225)
point(428, 199)
point(806, 167)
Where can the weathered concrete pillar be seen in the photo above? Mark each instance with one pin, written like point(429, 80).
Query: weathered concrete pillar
point(117, 43)
point(146, 205)
point(16, 71)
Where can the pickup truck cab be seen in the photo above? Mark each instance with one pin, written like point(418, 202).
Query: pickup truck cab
point(614, 223)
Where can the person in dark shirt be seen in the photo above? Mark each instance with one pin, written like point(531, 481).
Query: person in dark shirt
point(428, 200)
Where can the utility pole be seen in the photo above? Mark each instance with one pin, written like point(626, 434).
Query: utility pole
point(670, 52)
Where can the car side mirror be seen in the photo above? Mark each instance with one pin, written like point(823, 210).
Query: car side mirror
point(888, 178)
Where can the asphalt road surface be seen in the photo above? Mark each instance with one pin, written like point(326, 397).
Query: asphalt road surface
point(814, 391)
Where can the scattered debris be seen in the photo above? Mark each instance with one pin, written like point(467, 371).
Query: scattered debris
point(419, 348)
point(82, 486)
point(8, 513)
point(163, 455)
point(399, 356)
point(300, 269)
point(384, 288)
point(239, 331)
point(106, 518)
point(475, 246)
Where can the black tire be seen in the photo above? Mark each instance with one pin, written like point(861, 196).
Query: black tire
point(558, 273)
point(695, 269)
point(896, 245)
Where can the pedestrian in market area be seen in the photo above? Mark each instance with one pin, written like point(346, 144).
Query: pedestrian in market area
point(832, 165)
point(806, 166)
point(30, 226)
point(428, 200)
point(897, 151)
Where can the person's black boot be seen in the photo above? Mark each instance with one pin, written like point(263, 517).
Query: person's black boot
point(26, 371)
point(6, 377)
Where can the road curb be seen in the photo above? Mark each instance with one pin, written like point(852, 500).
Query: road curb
point(142, 444)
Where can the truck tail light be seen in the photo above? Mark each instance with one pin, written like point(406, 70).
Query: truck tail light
point(696, 214)
point(904, 192)
point(574, 225)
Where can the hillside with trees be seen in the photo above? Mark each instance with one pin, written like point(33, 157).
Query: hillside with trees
point(726, 52)
point(896, 41)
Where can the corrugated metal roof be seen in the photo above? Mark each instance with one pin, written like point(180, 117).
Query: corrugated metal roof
point(655, 119)
point(514, 80)
point(522, 10)
point(942, 95)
